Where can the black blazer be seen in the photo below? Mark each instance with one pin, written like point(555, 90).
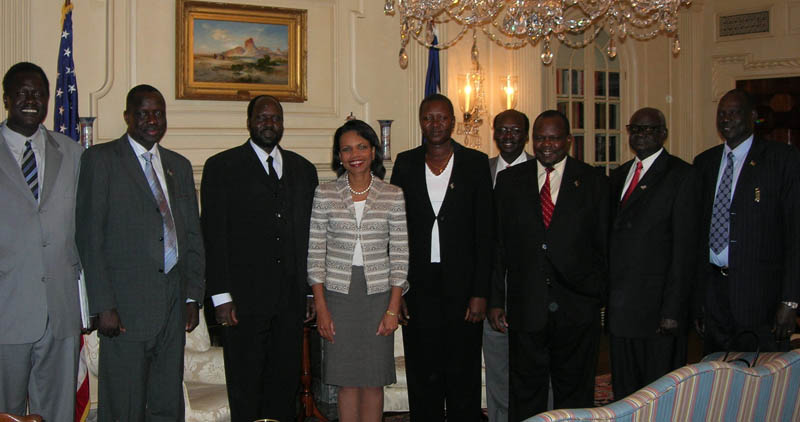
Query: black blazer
point(238, 205)
point(464, 223)
point(652, 248)
point(764, 251)
point(571, 252)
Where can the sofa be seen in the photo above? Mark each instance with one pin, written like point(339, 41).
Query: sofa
point(204, 392)
point(712, 390)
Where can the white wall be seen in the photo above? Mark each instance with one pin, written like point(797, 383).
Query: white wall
point(352, 66)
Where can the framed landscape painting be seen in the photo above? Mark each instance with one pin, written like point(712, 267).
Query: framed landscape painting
point(236, 52)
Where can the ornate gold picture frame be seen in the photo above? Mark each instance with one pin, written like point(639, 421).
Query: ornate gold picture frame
point(236, 52)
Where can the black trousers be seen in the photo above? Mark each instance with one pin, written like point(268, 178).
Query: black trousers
point(636, 362)
point(443, 355)
point(563, 353)
point(262, 366)
point(723, 333)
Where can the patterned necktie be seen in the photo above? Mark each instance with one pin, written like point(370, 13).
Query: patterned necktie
point(170, 237)
point(720, 217)
point(272, 173)
point(546, 200)
point(634, 182)
point(29, 170)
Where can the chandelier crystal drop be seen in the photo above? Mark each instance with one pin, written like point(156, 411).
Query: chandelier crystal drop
point(516, 23)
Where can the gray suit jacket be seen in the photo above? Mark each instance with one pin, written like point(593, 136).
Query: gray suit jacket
point(493, 165)
point(38, 260)
point(120, 236)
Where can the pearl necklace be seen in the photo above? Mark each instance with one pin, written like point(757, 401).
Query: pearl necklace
point(371, 179)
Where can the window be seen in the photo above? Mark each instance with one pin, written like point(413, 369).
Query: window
point(588, 92)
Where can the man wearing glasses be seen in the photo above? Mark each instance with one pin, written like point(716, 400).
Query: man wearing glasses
point(652, 257)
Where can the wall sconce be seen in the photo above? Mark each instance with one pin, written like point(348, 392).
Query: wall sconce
point(471, 100)
point(509, 86)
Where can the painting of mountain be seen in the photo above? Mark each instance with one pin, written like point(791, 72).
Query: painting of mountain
point(240, 52)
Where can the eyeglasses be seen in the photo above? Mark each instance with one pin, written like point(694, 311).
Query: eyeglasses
point(643, 129)
point(516, 131)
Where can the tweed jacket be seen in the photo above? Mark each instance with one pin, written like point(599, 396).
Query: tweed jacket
point(334, 231)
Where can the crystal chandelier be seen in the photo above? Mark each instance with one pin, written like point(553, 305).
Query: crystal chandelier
point(516, 23)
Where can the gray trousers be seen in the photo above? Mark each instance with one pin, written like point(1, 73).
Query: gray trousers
point(495, 355)
point(142, 381)
point(41, 375)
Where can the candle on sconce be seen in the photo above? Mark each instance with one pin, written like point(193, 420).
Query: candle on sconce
point(467, 94)
point(510, 91)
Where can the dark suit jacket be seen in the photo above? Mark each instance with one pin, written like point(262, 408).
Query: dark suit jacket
point(238, 207)
point(120, 236)
point(574, 246)
point(764, 251)
point(464, 223)
point(652, 248)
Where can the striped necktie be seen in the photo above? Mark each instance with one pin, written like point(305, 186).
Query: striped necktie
point(30, 170)
point(546, 200)
point(170, 236)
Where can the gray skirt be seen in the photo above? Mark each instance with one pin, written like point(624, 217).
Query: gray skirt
point(358, 357)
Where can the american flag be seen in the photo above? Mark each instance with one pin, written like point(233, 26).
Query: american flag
point(66, 95)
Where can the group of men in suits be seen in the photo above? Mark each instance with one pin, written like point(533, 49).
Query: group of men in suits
point(662, 244)
point(126, 213)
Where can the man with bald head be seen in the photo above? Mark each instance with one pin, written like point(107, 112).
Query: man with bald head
point(510, 135)
point(750, 271)
point(256, 212)
point(652, 257)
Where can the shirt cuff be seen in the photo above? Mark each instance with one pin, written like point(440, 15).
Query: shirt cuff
point(221, 299)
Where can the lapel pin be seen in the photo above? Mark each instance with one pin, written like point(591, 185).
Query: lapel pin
point(577, 183)
point(643, 187)
point(752, 163)
point(758, 195)
point(452, 186)
point(169, 172)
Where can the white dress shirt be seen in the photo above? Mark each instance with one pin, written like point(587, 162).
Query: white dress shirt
point(277, 158)
point(277, 163)
point(16, 143)
point(437, 189)
point(739, 156)
point(358, 252)
point(555, 177)
point(502, 165)
point(646, 164)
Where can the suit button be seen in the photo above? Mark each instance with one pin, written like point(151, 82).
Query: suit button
point(278, 238)
point(44, 279)
point(441, 218)
point(628, 225)
point(278, 260)
point(277, 214)
point(44, 245)
point(161, 239)
point(161, 270)
point(544, 246)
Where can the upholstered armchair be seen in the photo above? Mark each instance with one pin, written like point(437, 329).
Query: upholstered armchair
point(712, 390)
point(204, 392)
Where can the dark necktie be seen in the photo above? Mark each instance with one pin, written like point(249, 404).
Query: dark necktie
point(170, 236)
point(720, 217)
point(272, 173)
point(29, 170)
point(634, 182)
point(546, 200)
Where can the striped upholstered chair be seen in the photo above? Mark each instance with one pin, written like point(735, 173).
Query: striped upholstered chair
point(712, 390)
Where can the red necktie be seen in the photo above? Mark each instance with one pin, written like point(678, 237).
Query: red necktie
point(634, 182)
point(545, 199)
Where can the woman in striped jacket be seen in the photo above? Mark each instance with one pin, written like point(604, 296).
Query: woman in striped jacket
point(357, 267)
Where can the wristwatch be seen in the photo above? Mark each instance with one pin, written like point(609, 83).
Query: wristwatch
point(792, 305)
